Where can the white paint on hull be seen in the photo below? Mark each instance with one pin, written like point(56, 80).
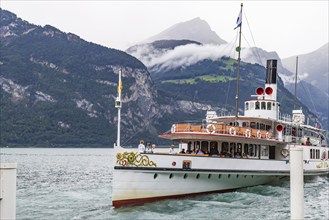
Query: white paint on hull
point(143, 182)
point(132, 184)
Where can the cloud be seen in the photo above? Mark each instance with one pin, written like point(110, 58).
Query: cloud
point(181, 56)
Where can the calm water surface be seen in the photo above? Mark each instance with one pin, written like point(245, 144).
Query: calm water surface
point(76, 184)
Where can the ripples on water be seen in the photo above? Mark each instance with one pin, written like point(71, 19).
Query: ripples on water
point(76, 184)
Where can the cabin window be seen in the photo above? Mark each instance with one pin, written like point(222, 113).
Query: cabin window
point(238, 152)
point(239, 148)
point(257, 105)
point(247, 106)
point(245, 149)
point(234, 124)
point(232, 148)
point(189, 146)
point(263, 105)
point(204, 147)
point(214, 145)
point(251, 105)
point(244, 124)
point(251, 150)
point(224, 147)
point(269, 106)
point(264, 151)
point(196, 146)
point(262, 126)
point(256, 149)
point(268, 127)
point(311, 154)
point(257, 125)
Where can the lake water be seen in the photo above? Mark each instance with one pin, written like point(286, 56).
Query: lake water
point(76, 184)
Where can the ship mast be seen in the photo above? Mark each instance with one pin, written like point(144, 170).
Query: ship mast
point(118, 105)
point(296, 83)
point(238, 49)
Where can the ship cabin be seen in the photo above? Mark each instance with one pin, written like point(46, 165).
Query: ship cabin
point(261, 133)
point(247, 137)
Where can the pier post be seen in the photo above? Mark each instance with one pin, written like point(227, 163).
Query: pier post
point(296, 183)
point(8, 190)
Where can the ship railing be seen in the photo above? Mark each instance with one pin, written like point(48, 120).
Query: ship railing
point(285, 117)
point(222, 129)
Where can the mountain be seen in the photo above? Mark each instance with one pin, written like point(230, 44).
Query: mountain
point(194, 30)
point(202, 73)
point(313, 67)
point(59, 90)
point(315, 99)
point(313, 80)
point(169, 63)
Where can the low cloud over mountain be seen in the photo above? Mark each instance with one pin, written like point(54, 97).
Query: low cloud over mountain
point(189, 54)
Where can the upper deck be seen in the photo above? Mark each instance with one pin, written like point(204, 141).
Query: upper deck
point(247, 129)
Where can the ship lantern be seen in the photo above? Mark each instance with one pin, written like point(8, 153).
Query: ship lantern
point(118, 103)
point(268, 90)
point(259, 91)
point(279, 128)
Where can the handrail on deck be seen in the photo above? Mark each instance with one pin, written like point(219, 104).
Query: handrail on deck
point(222, 129)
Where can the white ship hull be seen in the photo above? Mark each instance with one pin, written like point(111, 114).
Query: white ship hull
point(133, 187)
point(161, 176)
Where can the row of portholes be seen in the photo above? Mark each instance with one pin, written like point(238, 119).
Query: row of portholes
point(198, 176)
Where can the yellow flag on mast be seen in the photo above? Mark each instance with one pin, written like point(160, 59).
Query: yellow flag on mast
point(120, 86)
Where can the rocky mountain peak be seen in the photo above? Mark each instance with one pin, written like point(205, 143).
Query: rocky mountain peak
point(12, 26)
point(195, 30)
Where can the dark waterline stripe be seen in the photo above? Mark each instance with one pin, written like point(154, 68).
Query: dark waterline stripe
point(132, 202)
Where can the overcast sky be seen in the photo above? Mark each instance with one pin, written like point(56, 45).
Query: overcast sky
point(288, 27)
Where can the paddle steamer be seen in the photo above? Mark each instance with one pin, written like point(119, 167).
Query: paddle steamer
point(238, 151)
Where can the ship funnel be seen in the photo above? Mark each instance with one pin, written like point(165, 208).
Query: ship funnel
point(271, 71)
